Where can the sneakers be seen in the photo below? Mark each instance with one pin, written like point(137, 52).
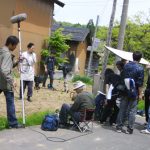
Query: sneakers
point(118, 129)
point(129, 131)
point(112, 124)
point(29, 99)
point(145, 131)
point(145, 125)
point(17, 126)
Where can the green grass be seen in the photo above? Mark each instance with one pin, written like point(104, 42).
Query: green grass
point(37, 118)
point(85, 79)
point(140, 105)
point(33, 119)
point(3, 123)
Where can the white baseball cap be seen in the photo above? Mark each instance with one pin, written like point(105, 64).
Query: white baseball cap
point(78, 84)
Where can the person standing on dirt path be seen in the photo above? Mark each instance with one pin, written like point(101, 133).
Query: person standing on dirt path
point(7, 83)
point(27, 72)
point(49, 70)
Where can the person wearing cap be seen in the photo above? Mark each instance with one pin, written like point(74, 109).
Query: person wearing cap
point(82, 100)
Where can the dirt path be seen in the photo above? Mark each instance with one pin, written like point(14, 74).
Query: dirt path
point(43, 99)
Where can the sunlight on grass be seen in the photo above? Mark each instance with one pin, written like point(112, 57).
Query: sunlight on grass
point(33, 119)
point(84, 79)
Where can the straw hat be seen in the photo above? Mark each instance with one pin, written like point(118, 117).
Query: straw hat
point(78, 84)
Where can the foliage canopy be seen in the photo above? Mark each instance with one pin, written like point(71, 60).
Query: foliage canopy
point(57, 44)
point(137, 35)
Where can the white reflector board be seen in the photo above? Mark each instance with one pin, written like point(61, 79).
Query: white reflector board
point(126, 55)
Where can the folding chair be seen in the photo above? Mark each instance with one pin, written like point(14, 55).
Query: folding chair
point(86, 118)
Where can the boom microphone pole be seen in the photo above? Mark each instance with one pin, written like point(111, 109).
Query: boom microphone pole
point(17, 19)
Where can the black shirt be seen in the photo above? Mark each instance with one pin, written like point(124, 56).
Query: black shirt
point(148, 83)
point(50, 62)
point(113, 79)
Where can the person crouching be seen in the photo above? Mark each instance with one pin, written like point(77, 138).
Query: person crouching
point(82, 100)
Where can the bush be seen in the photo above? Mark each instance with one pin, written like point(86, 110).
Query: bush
point(85, 79)
point(140, 105)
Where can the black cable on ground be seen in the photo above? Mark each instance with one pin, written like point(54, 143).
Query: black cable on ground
point(57, 139)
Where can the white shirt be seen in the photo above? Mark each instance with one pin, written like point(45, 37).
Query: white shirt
point(27, 66)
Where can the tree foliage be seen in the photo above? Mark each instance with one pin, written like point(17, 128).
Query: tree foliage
point(137, 34)
point(91, 28)
point(57, 44)
point(68, 24)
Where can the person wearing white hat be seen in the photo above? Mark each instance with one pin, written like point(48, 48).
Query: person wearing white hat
point(82, 100)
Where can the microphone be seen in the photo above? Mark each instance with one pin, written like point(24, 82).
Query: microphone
point(18, 18)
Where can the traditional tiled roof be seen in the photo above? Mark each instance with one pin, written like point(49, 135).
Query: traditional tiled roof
point(77, 34)
point(59, 3)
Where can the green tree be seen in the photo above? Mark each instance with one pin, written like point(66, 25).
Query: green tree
point(137, 36)
point(68, 24)
point(91, 28)
point(102, 33)
point(57, 42)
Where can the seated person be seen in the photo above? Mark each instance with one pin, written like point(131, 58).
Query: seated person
point(82, 100)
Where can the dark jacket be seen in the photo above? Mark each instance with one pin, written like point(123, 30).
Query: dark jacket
point(84, 100)
point(50, 63)
point(135, 71)
point(115, 80)
point(148, 83)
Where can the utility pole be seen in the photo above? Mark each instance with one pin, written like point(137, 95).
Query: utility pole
point(92, 48)
point(108, 42)
point(122, 27)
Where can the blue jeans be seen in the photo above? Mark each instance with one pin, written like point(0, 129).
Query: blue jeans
point(127, 107)
point(65, 112)
point(148, 125)
point(11, 115)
